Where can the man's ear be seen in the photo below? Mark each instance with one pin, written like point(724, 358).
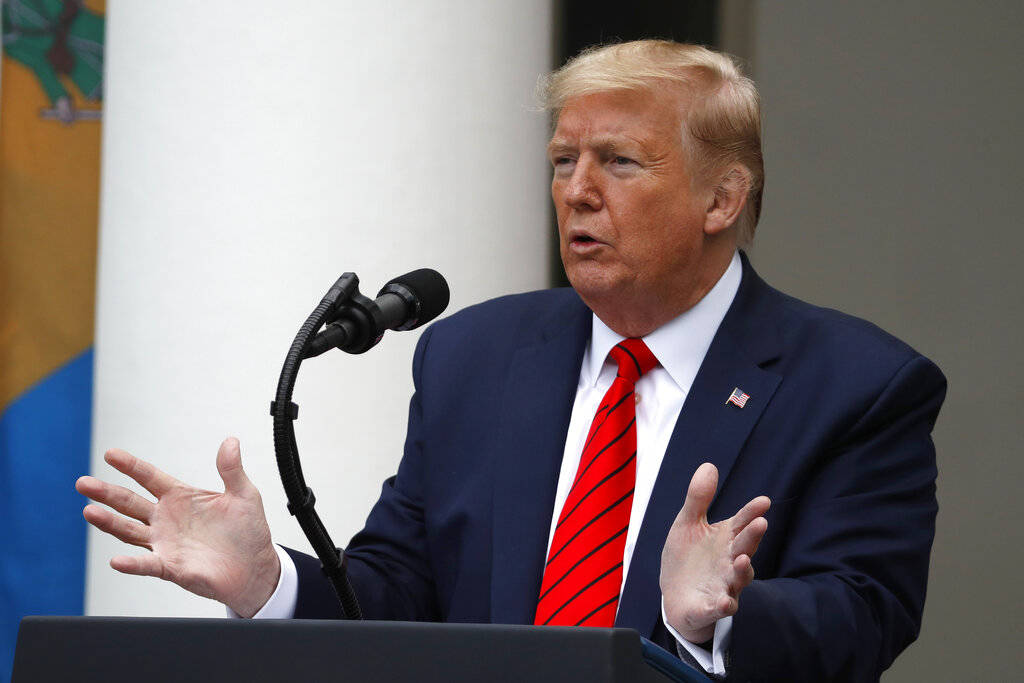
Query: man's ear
point(728, 197)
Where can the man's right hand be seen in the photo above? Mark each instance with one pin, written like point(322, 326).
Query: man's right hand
point(216, 545)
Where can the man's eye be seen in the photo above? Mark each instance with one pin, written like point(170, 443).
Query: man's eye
point(561, 161)
point(623, 161)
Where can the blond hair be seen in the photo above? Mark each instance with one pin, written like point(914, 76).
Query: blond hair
point(723, 121)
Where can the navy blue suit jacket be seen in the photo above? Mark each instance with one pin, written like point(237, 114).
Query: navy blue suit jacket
point(836, 432)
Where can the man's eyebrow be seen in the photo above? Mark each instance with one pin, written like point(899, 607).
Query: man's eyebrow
point(557, 145)
point(606, 144)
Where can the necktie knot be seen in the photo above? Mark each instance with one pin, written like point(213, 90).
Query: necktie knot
point(633, 358)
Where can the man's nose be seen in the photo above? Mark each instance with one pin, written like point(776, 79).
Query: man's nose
point(583, 189)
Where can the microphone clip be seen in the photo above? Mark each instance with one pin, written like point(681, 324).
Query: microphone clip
point(355, 323)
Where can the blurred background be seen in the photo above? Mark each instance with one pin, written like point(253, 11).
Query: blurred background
point(181, 182)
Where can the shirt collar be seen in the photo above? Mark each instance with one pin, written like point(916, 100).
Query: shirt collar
point(681, 343)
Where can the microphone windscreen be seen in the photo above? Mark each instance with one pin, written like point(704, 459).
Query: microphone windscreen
point(430, 289)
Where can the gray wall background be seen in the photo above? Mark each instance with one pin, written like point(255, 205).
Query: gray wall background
point(893, 151)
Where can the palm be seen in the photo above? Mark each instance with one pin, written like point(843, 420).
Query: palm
point(194, 533)
point(216, 545)
point(704, 565)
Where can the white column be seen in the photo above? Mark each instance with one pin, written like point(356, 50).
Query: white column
point(252, 153)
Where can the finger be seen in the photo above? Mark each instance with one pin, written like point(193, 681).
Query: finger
point(118, 497)
point(752, 510)
point(700, 494)
point(143, 565)
point(229, 465)
point(747, 541)
point(117, 526)
point(743, 574)
point(727, 607)
point(149, 477)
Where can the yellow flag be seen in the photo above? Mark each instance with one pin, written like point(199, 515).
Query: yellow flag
point(50, 99)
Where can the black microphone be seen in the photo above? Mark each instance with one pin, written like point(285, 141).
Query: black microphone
point(413, 299)
point(404, 303)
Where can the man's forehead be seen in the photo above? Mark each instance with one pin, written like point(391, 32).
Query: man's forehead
point(607, 118)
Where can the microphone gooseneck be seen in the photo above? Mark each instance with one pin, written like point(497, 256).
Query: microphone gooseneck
point(355, 324)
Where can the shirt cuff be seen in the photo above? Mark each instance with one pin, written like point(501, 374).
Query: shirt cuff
point(714, 661)
point(281, 604)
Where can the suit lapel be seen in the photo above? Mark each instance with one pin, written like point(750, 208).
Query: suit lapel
point(708, 430)
point(539, 395)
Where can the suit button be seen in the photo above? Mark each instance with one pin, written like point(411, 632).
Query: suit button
point(636, 398)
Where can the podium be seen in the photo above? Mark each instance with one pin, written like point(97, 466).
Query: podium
point(116, 649)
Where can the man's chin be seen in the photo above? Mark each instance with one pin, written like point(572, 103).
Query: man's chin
point(593, 284)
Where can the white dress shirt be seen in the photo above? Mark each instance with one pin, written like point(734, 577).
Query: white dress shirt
point(680, 346)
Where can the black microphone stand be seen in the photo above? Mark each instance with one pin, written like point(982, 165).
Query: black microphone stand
point(342, 298)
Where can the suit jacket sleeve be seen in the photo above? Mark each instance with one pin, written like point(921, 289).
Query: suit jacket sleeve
point(848, 590)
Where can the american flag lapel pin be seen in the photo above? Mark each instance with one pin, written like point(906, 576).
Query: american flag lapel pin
point(738, 398)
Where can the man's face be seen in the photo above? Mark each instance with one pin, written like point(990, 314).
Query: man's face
point(630, 221)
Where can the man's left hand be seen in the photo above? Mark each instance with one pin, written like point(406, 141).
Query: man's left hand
point(704, 567)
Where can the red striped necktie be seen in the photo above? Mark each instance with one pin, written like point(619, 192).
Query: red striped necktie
point(583, 573)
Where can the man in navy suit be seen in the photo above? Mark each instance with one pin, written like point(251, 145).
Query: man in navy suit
point(751, 395)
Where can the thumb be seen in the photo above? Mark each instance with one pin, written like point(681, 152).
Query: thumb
point(700, 494)
point(229, 466)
